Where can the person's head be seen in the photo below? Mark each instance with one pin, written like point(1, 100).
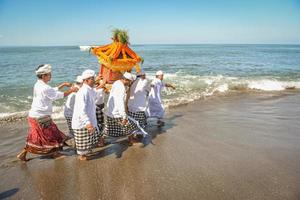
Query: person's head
point(127, 78)
point(43, 72)
point(141, 75)
point(88, 77)
point(79, 81)
point(160, 75)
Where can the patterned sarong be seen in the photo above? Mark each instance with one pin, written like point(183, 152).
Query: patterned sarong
point(43, 136)
point(140, 117)
point(99, 115)
point(69, 122)
point(114, 127)
point(86, 141)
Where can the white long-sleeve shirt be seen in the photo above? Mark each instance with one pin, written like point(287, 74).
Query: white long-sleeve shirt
point(156, 87)
point(155, 105)
point(100, 95)
point(69, 105)
point(43, 95)
point(84, 108)
point(116, 101)
point(138, 95)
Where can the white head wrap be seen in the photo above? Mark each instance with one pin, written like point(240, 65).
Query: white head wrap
point(78, 79)
point(158, 73)
point(88, 74)
point(44, 69)
point(129, 76)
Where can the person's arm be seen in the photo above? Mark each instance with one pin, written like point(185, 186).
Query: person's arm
point(62, 85)
point(72, 89)
point(54, 94)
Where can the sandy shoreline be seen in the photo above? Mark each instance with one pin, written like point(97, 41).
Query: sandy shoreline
point(237, 147)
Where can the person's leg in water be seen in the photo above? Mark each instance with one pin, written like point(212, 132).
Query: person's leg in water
point(22, 155)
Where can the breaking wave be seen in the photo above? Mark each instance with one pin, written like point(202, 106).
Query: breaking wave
point(192, 87)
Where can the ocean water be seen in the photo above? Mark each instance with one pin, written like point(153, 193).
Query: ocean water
point(197, 71)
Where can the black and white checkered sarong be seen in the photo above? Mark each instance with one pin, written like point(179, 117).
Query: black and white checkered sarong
point(114, 128)
point(84, 141)
point(140, 117)
point(69, 122)
point(99, 114)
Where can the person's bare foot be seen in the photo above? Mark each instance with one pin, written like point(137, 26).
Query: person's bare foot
point(101, 142)
point(130, 140)
point(22, 155)
point(83, 158)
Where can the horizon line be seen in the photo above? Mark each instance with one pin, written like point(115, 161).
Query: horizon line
point(138, 44)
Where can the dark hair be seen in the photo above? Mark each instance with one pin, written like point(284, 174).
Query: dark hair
point(40, 76)
point(42, 65)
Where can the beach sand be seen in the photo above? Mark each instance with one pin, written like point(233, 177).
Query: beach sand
point(244, 146)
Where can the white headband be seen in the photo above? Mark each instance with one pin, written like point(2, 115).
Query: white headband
point(129, 76)
point(44, 69)
point(88, 74)
point(158, 73)
point(79, 79)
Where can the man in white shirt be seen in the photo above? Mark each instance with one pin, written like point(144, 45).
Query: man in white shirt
point(43, 135)
point(69, 106)
point(155, 107)
point(84, 121)
point(137, 102)
point(117, 123)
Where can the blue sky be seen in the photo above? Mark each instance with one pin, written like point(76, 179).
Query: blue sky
point(80, 22)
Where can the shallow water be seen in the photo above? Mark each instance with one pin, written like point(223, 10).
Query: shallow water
point(238, 146)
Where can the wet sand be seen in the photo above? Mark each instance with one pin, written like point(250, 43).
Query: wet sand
point(244, 146)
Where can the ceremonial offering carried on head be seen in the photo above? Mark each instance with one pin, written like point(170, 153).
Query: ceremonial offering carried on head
point(116, 58)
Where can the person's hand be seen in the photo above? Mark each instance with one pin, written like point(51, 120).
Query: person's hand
point(90, 128)
point(74, 89)
point(67, 84)
point(101, 85)
point(124, 122)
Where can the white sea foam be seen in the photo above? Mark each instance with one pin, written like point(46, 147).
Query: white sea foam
point(188, 89)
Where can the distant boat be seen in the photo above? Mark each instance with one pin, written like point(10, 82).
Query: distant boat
point(85, 48)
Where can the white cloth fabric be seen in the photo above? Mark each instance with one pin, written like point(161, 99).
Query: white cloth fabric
point(139, 91)
point(79, 79)
point(88, 74)
point(45, 69)
point(116, 101)
point(69, 105)
point(43, 95)
point(155, 105)
point(100, 96)
point(84, 108)
point(129, 76)
point(158, 73)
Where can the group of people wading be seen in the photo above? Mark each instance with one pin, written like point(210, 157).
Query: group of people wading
point(131, 100)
